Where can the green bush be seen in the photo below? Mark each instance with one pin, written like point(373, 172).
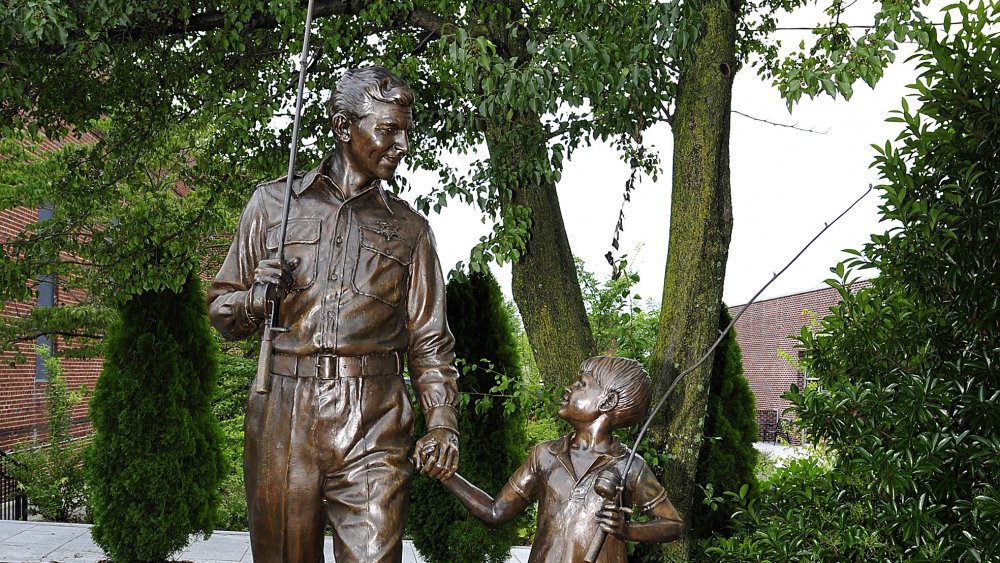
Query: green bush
point(802, 514)
point(727, 460)
point(910, 366)
point(236, 373)
point(50, 471)
point(492, 442)
point(154, 467)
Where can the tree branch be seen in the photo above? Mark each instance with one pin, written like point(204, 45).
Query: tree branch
point(208, 21)
point(796, 127)
point(63, 333)
point(215, 19)
point(418, 17)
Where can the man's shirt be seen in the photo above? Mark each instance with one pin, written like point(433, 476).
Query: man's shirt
point(368, 282)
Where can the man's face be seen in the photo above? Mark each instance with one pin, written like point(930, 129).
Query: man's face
point(378, 140)
point(581, 401)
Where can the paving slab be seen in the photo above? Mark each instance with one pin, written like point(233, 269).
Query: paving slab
point(222, 547)
point(47, 542)
point(10, 528)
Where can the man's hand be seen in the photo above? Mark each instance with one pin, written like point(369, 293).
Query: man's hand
point(271, 280)
point(436, 453)
point(272, 272)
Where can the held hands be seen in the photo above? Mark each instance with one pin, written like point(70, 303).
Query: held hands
point(436, 453)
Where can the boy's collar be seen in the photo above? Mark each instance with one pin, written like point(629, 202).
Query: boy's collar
point(561, 450)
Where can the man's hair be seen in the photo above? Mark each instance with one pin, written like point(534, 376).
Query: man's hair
point(356, 90)
point(629, 380)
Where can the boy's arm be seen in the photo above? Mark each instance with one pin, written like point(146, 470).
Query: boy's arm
point(493, 513)
point(664, 524)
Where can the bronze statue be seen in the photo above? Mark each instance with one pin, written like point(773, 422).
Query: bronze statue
point(326, 440)
point(573, 477)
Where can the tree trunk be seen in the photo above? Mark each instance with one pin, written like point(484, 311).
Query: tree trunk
point(545, 284)
point(700, 225)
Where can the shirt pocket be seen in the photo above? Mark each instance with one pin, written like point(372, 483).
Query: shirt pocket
point(302, 242)
point(383, 265)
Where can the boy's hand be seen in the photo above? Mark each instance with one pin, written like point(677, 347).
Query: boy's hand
point(611, 519)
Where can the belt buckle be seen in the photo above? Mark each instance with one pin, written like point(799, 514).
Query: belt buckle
point(326, 367)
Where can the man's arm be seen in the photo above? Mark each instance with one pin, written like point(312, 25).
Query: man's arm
point(234, 307)
point(431, 361)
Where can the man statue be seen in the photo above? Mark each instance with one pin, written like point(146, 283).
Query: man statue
point(360, 290)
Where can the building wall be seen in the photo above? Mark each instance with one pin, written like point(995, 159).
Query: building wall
point(766, 335)
point(22, 395)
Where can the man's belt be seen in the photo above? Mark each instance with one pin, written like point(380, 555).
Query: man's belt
point(326, 366)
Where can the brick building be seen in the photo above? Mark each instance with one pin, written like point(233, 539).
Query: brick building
point(766, 335)
point(22, 383)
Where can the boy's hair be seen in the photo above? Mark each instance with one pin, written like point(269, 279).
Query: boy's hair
point(629, 380)
point(356, 90)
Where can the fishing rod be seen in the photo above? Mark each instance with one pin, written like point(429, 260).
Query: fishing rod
point(610, 483)
point(263, 378)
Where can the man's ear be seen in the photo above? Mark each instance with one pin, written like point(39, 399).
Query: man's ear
point(608, 402)
point(341, 128)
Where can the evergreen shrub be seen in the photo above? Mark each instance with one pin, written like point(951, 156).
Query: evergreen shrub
point(154, 466)
point(727, 460)
point(492, 442)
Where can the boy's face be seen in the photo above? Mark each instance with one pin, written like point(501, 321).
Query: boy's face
point(581, 401)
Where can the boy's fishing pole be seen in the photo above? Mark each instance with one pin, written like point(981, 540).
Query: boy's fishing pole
point(616, 479)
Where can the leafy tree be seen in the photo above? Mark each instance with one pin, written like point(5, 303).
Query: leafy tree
point(531, 80)
point(727, 460)
point(492, 438)
point(730, 34)
point(154, 467)
point(908, 366)
point(49, 472)
point(623, 324)
point(112, 217)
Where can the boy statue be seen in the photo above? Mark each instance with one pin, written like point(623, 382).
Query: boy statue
point(610, 393)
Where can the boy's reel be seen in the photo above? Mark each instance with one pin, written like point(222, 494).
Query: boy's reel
point(609, 486)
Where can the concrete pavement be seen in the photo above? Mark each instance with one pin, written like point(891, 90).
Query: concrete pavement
point(48, 542)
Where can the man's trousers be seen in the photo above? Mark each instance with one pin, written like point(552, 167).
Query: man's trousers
point(328, 450)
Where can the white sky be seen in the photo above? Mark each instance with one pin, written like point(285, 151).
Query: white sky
point(786, 184)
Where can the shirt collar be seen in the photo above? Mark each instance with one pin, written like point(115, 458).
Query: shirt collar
point(311, 176)
point(560, 449)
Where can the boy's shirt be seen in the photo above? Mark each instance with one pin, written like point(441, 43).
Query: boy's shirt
point(568, 504)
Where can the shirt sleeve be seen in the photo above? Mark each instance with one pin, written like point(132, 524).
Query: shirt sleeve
point(527, 478)
point(431, 350)
point(229, 293)
point(646, 490)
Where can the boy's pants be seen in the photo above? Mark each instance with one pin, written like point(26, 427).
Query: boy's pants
point(328, 450)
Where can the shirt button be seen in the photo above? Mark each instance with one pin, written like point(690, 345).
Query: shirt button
point(334, 277)
point(340, 240)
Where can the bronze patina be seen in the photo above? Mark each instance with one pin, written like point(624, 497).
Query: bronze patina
point(361, 292)
point(575, 477)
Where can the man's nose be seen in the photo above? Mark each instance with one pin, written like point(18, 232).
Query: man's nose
point(403, 142)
